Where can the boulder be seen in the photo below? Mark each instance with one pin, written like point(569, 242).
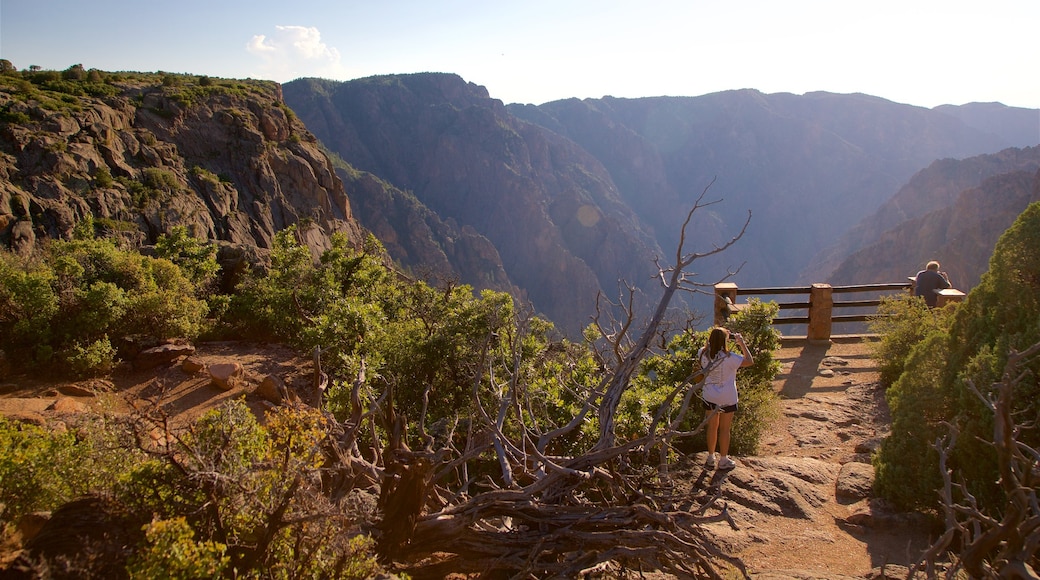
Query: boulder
point(162, 354)
point(855, 481)
point(226, 376)
point(76, 391)
point(67, 405)
point(192, 365)
point(272, 389)
point(29, 525)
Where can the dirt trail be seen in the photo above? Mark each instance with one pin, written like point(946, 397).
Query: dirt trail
point(833, 411)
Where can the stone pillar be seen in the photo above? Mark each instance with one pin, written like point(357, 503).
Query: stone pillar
point(821, 305)
point(724, 290)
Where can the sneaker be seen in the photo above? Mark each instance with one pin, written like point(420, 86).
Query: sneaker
point(726, 463)
point(710, 463)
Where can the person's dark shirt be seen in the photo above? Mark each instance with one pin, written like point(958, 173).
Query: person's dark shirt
point(928, 281)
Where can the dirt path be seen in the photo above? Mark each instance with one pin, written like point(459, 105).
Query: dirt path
point(834, 414)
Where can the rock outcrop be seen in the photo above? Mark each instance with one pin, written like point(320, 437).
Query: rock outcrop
point(227, 159)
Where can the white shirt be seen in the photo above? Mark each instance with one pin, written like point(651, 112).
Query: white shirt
point(720, 386)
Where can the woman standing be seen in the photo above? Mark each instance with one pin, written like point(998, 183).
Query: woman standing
point(720, 390)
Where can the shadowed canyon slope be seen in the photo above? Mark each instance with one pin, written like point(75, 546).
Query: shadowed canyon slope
point(549, 207)
point(961, 235)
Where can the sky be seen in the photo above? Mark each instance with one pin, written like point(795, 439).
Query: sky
point(917, 52)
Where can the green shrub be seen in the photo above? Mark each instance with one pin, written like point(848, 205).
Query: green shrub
point(902, 322)
point(14, 117)
point(195, 257)
point(40, 468)
point(103, 178)
point(230, 479)
point(32, 462)
point(28, 302)
point(966, 345)
point(906, 465)
point(84, 291)
point(161, 179)
point(93, 359)
point(172, 552)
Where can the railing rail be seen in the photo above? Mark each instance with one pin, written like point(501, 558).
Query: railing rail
point(820, 305)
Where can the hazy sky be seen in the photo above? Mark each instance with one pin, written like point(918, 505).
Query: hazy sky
point(920, 52)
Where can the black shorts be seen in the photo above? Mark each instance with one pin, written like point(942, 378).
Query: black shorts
point(727, 409)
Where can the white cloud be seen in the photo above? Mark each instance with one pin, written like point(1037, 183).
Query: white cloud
point(293, 52)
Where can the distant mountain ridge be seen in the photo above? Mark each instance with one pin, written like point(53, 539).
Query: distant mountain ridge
point(808, 167)
point(798, 162)
point(1019, 126)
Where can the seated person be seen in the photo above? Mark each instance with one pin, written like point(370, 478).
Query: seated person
point(928, 281)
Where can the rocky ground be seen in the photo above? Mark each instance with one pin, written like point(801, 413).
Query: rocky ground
point(800, 509)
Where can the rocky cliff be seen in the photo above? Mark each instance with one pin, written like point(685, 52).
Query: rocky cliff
point(960, 235)
point(549, 208)
point(143, 153)
point(904, 233)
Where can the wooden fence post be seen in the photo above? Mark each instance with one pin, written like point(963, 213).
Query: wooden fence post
point(724, 290)
point(821, 304)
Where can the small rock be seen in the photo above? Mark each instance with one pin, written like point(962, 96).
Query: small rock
point(868, 446)
point(66, 405)
point(855, 481)
point(878, 514)
point(28, 418)
point(225, 376)
point(30, 524)
point(888, 572)
point(76, 391)
point(271, 389)
point(826, 373)
point(832, 361)
point(191, 365)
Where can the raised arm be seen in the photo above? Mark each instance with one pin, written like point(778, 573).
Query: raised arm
point(748, 359)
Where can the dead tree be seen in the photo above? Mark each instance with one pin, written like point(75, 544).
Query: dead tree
point(979, 543)
point(546, 515)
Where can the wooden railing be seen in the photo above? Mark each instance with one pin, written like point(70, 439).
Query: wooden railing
point(820, 303)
